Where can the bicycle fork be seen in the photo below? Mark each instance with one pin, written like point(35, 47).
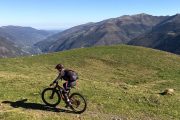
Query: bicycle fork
point(52, 95)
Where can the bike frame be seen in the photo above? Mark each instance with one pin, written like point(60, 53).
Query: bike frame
point(60, 90)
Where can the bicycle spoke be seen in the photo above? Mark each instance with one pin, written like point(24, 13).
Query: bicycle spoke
point(78, 103)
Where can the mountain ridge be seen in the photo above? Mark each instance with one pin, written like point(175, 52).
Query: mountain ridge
point(118, 30)
point(126, 29)
point(9, 49)
point(24, 35)
point(164, 36)
point(23, 38)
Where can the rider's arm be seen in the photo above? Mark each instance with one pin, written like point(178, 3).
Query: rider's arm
point(58, 77)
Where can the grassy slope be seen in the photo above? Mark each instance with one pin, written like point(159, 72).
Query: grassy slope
point(118, 82)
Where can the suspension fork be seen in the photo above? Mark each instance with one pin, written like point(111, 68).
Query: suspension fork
point(52, 95)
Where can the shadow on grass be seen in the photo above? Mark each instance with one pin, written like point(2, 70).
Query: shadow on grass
point(35, 106)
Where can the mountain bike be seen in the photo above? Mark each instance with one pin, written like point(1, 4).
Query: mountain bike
point(52, 97)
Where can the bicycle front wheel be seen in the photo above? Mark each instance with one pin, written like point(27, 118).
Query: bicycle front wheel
point(51, 97)
point(79, 104)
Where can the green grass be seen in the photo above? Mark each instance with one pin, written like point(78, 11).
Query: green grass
point(117, 81)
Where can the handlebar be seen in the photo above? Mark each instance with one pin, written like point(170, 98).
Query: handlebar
point(56, 83)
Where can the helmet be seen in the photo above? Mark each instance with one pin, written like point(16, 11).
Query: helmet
point(59, 66)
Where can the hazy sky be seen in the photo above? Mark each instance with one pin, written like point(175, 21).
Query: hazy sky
point(59, 14)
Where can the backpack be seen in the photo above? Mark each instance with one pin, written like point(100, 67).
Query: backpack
point(70, 75)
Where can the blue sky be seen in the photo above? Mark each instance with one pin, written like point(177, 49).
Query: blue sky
point(60, 14)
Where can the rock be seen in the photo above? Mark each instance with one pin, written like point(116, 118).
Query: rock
point(78, 116)
point(116, 119)
point(168, 91)
point(35, 93)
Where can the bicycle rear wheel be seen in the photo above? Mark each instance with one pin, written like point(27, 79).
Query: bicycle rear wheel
point(79, 104)
point(51, 97)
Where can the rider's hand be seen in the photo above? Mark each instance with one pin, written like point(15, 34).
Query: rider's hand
point(51, 84)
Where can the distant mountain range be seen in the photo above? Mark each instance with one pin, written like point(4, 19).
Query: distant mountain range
point(158, 32)
point(108, 32)
point(164, 36)
point(23, 35)
point(22, 38)
point(9, 49)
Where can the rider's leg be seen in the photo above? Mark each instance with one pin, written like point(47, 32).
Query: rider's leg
point(67, 86)
point(66, 92)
